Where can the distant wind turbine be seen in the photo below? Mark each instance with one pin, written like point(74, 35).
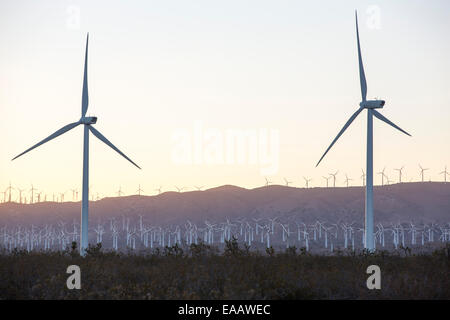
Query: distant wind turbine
point(347, 179)
point(119, 192)
point(199, 188)
point(9, 189)
point(422, 171)
point(326, 178)
point(287, 182)
point(334, 177)
point(179, 189)
point(267, 182)
point(399, 174)
point(20, 194)
point(159, 189)
point(382, 176)
point(307, 181)
point(363, 177)
point(74, 191)
point(32, 193)
point(87, 122)
point(139, 190)
point(371, 106)
point(445, 173)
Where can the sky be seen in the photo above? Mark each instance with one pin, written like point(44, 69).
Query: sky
point(173, 83)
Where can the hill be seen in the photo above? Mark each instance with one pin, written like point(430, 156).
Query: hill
point(420, 202)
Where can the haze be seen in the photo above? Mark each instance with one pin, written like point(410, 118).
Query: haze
point(156, 68)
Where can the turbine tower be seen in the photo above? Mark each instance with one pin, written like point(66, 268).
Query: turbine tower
point(371, 106)
point(87, 122)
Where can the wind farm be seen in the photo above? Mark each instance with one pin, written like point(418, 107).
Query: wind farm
point(230, 112)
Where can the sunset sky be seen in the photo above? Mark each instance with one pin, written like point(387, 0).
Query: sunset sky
point(168, 75)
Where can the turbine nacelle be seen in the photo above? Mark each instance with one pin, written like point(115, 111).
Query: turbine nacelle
point(88, 120)
point(372, 104)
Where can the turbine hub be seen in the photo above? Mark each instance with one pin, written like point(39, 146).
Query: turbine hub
point(88, 120)
point(372, 104)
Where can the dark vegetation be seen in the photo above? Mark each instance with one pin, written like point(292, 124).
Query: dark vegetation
point(202, 272)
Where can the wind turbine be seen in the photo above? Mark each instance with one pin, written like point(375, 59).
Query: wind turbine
point(363, 177)
point(159, 189)
point(382, 176)
point(139, 190)
point(74, 191)
point(445, 173)
point(422, 170)
point(332, 174)
point(347, 179)
point(267, 182)
point(32, 193)
point(287, 182)
point(120, 192)
point(307, 181)
point(87, 122)
point(399, 174)
point(8, 189)
point(179, 189)
point(20, 194)
point(371, 106)
point(326, 178)
point(199, 188)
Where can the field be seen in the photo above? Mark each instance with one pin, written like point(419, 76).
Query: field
point(202, 272)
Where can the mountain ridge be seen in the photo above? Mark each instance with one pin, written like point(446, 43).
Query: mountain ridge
point(418, 201)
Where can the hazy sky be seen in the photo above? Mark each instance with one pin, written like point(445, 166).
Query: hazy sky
point(168, 76)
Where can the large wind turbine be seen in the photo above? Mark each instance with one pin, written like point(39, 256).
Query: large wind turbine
point(87, 122)
point(371, 106)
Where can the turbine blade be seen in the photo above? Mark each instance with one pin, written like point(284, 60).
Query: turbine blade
point(341, 132)
point(85, 96)
point(362, 76)
point(50, 137)
point(107, 142)
point(383, 118)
